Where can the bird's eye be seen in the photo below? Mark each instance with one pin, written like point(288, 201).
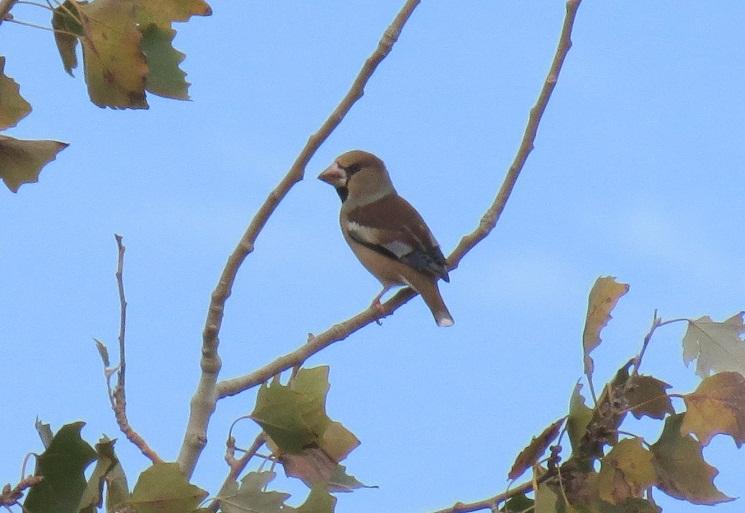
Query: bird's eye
point(352, 169)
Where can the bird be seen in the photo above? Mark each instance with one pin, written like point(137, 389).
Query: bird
point(385, 232)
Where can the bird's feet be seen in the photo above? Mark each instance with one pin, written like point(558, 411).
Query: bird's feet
point(378, 307)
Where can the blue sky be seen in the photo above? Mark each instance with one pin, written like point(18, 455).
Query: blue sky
point(636, 173)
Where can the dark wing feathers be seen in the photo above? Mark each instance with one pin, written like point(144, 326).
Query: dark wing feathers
point(392, 227)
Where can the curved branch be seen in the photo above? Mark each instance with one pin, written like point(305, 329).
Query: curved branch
point(488, 221)
point(205, 397)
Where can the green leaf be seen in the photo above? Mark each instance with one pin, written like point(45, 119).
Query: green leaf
point(716, 346)
point(579, 418)
point(62, 466)
point(108, 473)
point(294, 415)
point(630, 505)
point(164, 489)
point(319, 501)
point(681, 470)
point(279, 413)
point(603, 298)
point(21, 161)
point(67, 26)
point(250, 497)
point(164, 77)
point(647, 395)
point(626, 471)
point(518, 504)
point(12, 105)
point(717, 406)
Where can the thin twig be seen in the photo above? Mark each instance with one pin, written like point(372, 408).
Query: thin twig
point(122, 313)
point(205, 397)
point(237, 465)
point(657, 322)
point(5, 7)
point(9, 496)
point(490, 503)
point(489, 220)
point(119, 396)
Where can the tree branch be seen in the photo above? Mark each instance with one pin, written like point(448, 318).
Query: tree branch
point(490, 503)
point(118, 397)
point(488, 221)
point(5, 7)
point(204, 399)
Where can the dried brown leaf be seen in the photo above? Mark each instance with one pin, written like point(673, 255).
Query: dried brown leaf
point(535, 449)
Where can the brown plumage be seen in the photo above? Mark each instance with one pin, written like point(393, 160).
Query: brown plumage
point(385, 232)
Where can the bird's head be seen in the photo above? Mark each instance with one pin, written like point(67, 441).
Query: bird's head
point(358, 176)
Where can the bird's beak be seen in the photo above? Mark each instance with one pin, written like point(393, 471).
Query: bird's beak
point(334, 175)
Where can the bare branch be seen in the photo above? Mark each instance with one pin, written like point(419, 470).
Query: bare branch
point(486, 225)
point(119, 396)
point(204, 399)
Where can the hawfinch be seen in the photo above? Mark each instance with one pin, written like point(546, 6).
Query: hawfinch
point(386, 233)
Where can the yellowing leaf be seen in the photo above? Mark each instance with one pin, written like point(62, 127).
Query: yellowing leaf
point(717, 346)
point(337, 441)
point(646, 395)
point(626, 471)
point(545, 500)
point(603, 298)
point(717, 406)
point(12, 105)
point(535, 449)
point(115, 66)
point(165, 11)
point(21, 161)
point(681, 470)
point(164, 489)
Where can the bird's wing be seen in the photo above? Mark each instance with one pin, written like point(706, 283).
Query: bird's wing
point(392, 227)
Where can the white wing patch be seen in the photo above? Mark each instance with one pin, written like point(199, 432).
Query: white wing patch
point(398, 248)
point(373, 236)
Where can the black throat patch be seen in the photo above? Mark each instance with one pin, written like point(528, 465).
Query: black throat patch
point(343, 192)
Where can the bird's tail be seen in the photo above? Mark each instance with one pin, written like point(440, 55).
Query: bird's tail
point(431, 295)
